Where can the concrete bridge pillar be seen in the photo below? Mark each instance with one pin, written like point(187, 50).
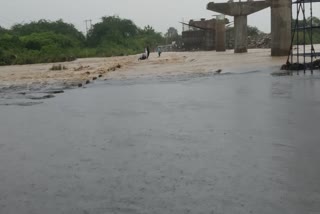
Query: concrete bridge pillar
point(241, 34)
point(280, 27)
point(220, 36)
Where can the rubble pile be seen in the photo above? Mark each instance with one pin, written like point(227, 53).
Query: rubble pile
point(260, 41)
point(286, 69)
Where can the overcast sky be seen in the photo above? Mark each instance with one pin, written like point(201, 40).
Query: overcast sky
point(161, 14)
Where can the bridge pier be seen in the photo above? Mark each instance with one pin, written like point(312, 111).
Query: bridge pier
point(241, 34)
point(220, 36)
point(280, 27)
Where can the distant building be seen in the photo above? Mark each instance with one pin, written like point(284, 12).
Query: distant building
point(200, 35)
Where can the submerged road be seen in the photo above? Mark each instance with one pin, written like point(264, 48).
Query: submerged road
point(229, 144)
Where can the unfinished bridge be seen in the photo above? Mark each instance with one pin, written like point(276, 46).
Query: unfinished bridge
point(280, 22)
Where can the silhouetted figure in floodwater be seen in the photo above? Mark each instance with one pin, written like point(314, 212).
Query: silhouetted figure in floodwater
point(159, 51)
point(148, 52)
point(143, 56)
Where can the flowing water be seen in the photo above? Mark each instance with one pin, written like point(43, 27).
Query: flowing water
point(218, 144)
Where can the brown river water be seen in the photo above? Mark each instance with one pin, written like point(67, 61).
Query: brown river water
point(190, 143)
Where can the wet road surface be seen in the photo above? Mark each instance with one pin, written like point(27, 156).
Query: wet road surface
point(224, 144)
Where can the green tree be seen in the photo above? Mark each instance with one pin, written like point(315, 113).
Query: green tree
point(315, 21)
point(47, 41)
point(116, 36)
point(9, 41)
point(253, 31)
point(58, 27)
point(300, 37)
point(3, 30)
point(111, 28)
point(171, 35)
point(36, 41)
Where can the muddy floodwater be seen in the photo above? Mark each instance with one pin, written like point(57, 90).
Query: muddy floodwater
point(212, 144)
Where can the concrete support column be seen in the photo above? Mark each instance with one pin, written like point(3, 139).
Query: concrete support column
point(280, 27)
point(241, 34)
point(220, 35)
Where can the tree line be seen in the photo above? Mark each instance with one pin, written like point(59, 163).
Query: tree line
point(301, 37)
point(46, 41)
point(52, 41)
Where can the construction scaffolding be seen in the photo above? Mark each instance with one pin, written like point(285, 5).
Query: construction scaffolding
point(302, 54)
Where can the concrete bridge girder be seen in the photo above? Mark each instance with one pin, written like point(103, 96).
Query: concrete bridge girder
point(238, 8)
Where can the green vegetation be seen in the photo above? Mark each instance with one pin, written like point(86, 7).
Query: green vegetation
point(299, 35)
point(45, 41)
point(115, 36)
point(253, 33)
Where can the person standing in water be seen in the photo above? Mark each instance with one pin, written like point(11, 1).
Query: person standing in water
point(159, 51)
point(148, 52)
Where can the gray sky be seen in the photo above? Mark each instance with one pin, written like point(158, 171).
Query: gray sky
point(161, 14)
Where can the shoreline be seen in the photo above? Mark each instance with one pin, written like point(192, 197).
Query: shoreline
point(38, 82)
point(169, 63)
